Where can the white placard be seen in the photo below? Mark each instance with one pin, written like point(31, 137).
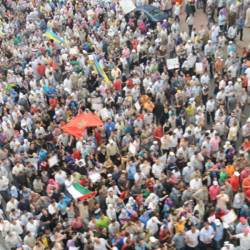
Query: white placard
point(211, 219)
point(96, 106)
point(132, 149)
point(104, 113)
point(137, 106)
point(127, 6)
point(173, 63)
point(96, 100)
point(199, 68)
point(230, 217)
point(53, 160)
point(73, 51)
point(95, 177)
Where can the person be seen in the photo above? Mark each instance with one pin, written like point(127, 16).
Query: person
point(243, 237)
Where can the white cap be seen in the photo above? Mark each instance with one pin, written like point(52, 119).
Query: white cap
point(171, 153)
point(155, 142)
point(230, 82)
point(152, 239)
point(236, 173)
point(111, 141)
point(133, 50)
point(217, 222)
point(189, 41)
point(215, 183)
point(165, 20)
point(239, 80)
point(93, 72)
point(189, 164)
point(226, 243)
point(109, 175)
point(209, 41)
point(230, 42)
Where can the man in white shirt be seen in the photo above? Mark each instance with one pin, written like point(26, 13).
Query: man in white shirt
point(196, 183)
point(4, 182)
point(191, 237)
point(244, 239)
point(60, 177)
point(210, 107)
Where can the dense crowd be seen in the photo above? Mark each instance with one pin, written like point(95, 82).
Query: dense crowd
point(170, 167)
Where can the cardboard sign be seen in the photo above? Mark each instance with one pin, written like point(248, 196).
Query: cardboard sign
point(132, 149)
point(53, 160)
point(104, 114)
point(96, 106)
point(96, 100)
point(137, 106)
point(173, 63)
point(127, 6)
point(199, 68)
point(230, 217)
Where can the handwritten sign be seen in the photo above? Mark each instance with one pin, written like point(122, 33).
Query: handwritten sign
point(104, 114)
point(96, 100)
point(230, 217)
point(132, 149)
point(199, 68)
point(53, 161)
point(73, 51)
point(173, 63)
point(137, 106)
point(96, 106)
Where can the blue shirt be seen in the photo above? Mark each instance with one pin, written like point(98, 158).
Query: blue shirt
point(131, 171)
point(206, 234)
point(109, 128)
point(240, 24)
point(145, 219)
point(219, 233)
point(119, 244)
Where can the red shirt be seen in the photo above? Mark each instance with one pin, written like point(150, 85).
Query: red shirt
point(53, 102)
point(44, 166)
point(41, 69)
point(162, 235)
point(235, 183)
point(77, 155)
point(117, 85)
point(158, 133)
point(98, 137)
point(130, 83)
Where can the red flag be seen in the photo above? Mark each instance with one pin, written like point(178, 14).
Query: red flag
point(77, 125)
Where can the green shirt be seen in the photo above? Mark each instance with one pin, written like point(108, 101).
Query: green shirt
point(103, 223)
point(223, 176)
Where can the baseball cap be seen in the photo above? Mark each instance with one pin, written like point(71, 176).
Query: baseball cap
point(242, 219)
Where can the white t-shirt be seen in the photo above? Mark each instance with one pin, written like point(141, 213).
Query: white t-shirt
point(244, 241)
point(192, 237)
point(101, 246)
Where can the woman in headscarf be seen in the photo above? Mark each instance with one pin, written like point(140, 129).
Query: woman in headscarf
point(129, 209)
point(111, 213)
point(71, 245)
point(51, 186)
point(132, 202)
point(14, 192)
point(152, 225)
point(245, 211)
point(151, 198)
point(123, 217)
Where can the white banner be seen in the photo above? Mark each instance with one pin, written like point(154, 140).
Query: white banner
point(127, 6)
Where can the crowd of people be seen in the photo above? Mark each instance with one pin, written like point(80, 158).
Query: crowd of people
point(170, 167)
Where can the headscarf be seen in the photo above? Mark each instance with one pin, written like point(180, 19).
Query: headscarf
point(129, 209)
point(14, 192)
point(123, 215)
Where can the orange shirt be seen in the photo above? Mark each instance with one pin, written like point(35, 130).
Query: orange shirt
point(230, 170)
point(246, 182)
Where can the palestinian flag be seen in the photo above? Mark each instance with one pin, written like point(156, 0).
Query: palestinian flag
point(79, 192)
